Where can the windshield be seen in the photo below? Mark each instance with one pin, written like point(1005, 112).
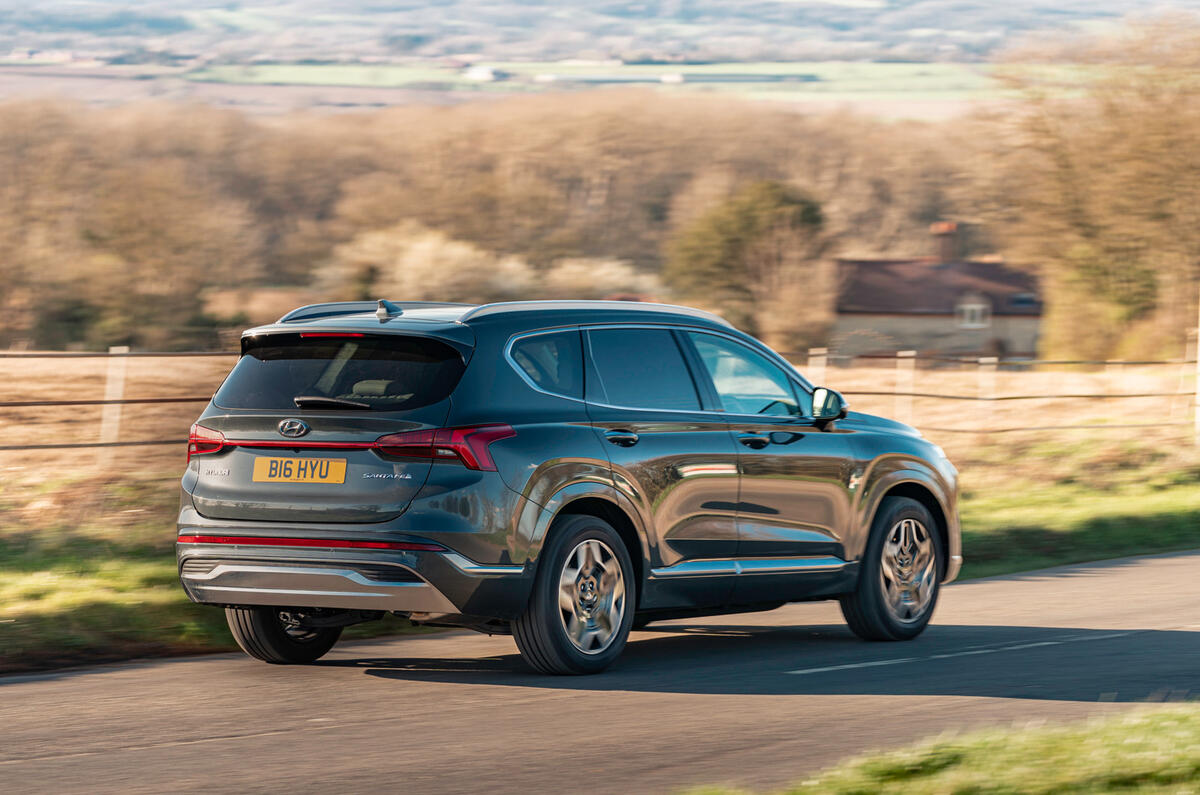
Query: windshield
point(380, 373)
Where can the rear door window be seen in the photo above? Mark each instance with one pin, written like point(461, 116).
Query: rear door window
point(385, 372)
point(553, 362)
point(642, 368)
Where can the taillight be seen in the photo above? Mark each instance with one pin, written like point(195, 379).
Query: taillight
point(469, 446)
point(202, 441)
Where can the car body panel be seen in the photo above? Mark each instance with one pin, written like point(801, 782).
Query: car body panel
point(716, 525)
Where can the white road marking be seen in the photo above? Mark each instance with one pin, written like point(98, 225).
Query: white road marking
point(965, 653)
point(853, 665)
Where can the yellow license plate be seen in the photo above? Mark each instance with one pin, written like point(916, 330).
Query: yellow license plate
point(299, 470)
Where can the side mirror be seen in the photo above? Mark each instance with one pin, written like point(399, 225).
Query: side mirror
point(828, 405)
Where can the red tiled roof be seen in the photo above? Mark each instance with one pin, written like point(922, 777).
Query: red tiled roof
point(924, 286)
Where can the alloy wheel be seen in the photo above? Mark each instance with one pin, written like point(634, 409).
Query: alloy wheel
point(908, 570)
point(591, 596)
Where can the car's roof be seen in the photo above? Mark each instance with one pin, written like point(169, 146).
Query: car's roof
point(440, 318)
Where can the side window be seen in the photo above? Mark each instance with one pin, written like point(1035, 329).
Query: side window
point(746, 381)
point(554, 362)
point(642, 368)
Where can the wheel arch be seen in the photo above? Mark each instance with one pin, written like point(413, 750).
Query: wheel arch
point(611, 513)
point(905, 476)
point(604, 502)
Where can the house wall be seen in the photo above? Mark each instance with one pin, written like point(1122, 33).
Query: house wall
point(871, 333)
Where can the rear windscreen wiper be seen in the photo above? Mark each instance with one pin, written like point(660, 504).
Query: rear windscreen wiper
point(321, 402)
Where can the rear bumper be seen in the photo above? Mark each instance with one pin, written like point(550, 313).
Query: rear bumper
point(431, 582)
point(334, 585)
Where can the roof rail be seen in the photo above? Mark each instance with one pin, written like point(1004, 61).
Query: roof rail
point(630, 306)
point(335, 308)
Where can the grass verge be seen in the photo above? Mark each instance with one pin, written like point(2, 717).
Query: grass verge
point(1147, 751)
point(87, 569)
point(87, 574)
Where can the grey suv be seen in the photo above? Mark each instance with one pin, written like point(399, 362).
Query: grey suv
point(561, 470)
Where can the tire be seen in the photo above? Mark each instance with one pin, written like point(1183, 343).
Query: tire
point(581, 560)
point(896, 602)
point(262, 634)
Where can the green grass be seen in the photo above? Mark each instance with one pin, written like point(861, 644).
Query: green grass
point(1031, 505)
point(87, 568)
point(1148, 751)
point(87, 573)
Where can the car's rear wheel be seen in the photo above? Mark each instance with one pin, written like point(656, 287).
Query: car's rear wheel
point(581, 609)
point(900, 575)
point(275, 635)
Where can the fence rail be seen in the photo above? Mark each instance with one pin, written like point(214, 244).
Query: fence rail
point(110, 354)
point(817, 361)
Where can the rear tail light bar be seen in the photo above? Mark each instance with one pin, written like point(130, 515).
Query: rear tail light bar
point(202, 441)
point(326, 543)
point(469, 446)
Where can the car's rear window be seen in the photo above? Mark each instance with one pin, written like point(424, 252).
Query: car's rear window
point(385, 372)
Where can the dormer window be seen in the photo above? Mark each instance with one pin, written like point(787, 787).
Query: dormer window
point(973, 313)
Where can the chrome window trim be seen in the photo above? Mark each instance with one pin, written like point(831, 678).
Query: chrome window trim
point(791, 372)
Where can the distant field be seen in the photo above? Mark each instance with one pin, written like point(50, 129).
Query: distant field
point(859, 84)
point(378, 76)
point(888, 90)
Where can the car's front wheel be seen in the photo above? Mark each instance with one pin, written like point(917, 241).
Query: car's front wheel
point(275, 635)
point(901, 571)
point(581, 609)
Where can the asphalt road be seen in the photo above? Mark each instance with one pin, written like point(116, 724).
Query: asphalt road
point(757, 701)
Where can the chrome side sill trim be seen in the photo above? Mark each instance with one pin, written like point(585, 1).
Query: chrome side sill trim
point(735, 567)
point(468, 566)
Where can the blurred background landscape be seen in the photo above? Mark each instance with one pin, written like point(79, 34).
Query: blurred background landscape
point(180, 169)
point(981, 219)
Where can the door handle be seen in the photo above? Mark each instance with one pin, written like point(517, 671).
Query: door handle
point(756, 441)
point(622, 438)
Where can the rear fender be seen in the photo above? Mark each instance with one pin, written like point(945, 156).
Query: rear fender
point(535, 520)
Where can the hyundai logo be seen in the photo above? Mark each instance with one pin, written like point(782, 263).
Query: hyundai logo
point(293, 428)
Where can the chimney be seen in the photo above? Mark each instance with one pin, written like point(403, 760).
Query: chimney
point(945, 236)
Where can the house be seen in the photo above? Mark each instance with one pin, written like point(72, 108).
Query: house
point(939, 304)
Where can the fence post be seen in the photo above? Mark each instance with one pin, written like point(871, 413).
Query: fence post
point(114, 389)
point(987, 390)
point(1196, 356)
point(817, 358)
point(906, 363)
